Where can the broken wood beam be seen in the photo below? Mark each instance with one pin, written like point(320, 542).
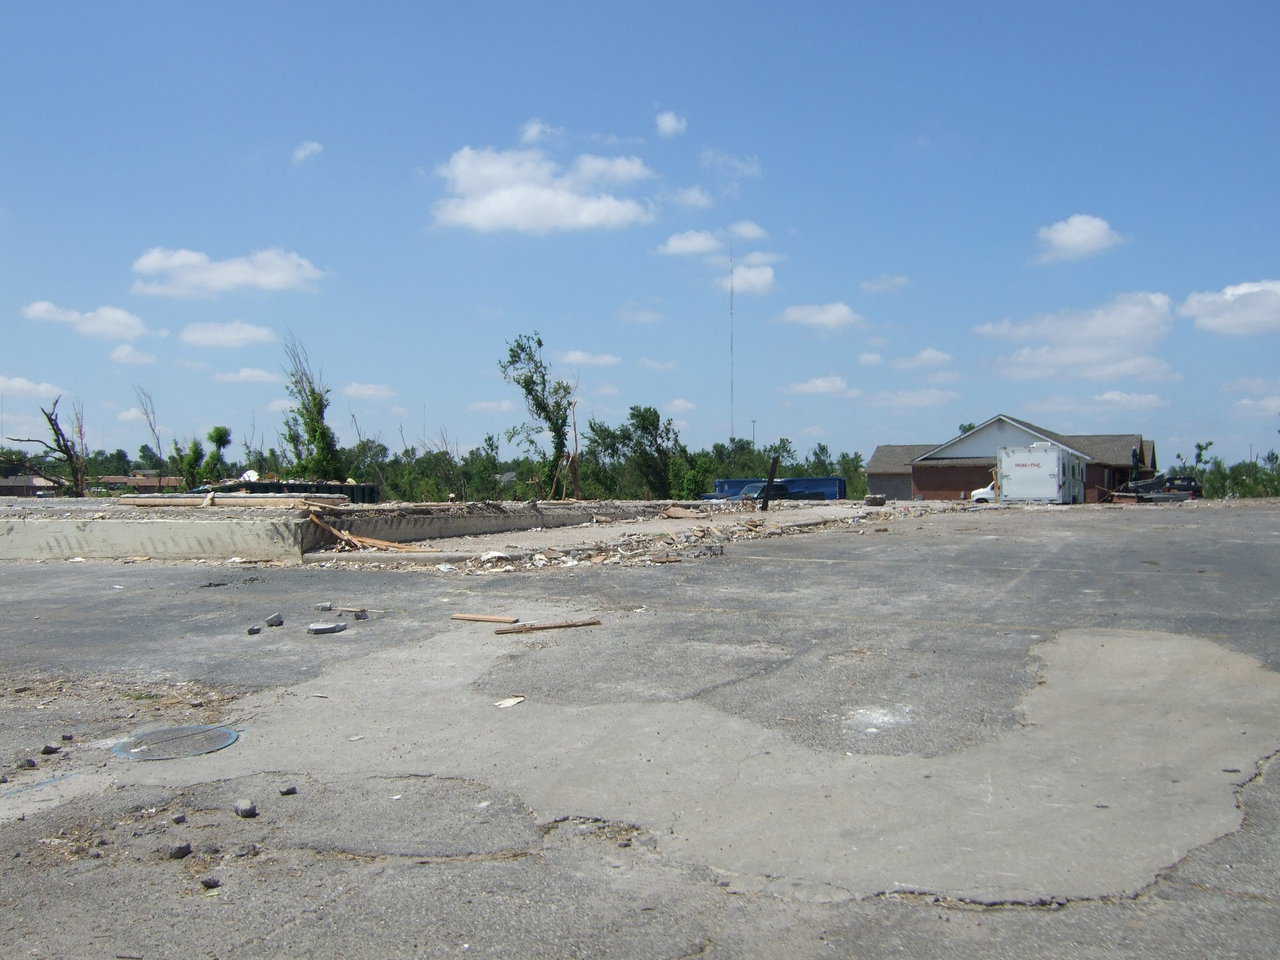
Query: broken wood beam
point(530, 627)
point(484, 618)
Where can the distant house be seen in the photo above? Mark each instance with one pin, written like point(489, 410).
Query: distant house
point(25, 486)
point(948, 471)
point(144, 482)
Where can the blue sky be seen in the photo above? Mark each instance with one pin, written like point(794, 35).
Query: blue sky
point(1062, 212)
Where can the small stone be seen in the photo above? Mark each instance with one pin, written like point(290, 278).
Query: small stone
point(26, 763)
point(210, 883)
point(21, 689)
point(179, 818)
point(254, 630)
point(3, 778)
point(326, 627)
point(246, 809)
point(288, 791)
point(180, 851)
point(327, 605)
point(361, 614)
point(247, 850)
point(67, 737)
point(210, 849)
point(49, 750)
point(275, 620)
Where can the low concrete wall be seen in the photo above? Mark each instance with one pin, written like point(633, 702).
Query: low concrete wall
point(433, 523)
point(58, 539)
point(286, 538)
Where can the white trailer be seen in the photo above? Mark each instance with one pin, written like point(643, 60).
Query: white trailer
point(1040, 473)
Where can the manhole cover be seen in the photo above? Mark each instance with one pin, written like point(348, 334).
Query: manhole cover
point(174, 742)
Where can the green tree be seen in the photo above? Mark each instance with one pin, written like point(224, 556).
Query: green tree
point(549, 402)
point(966, 427)
point(215, 465)
point(311, 441)
point(148, 459)
point(187, 463)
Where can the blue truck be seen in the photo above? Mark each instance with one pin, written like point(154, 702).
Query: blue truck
point(784, 488)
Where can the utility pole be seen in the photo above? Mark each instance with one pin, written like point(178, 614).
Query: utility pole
point(753, 433)
point(731, 430)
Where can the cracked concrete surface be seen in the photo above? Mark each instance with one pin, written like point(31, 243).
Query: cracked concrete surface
point(863, 753)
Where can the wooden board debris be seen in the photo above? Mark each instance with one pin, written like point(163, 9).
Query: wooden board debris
point(562, 624)
point(484, 618)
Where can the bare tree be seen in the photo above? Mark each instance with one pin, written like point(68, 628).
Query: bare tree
point(66, 450)
point(148, 408)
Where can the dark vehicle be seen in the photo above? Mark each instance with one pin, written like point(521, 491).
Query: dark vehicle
point(1184, 485)
point(755, 491)
point(798, 488)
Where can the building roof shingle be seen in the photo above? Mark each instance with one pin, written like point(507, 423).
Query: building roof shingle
point(896, 457)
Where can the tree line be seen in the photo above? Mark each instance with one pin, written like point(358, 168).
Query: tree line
point(641, 458)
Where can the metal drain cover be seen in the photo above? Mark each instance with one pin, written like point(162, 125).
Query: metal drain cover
point(171, 743)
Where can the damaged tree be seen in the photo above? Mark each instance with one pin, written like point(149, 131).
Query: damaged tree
point(68, 452)
point(311, 441)
point(549, 402)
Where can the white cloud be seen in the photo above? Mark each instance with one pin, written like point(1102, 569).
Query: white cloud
point(105, 323)
point(581, 358)
point(738, 168)
point(526, 192)
point(823, 316)
point(237, 333)
point(670, 124)
point(249, 375)
point(748, 230)
point(368, 391)
point(491, 406)
point(1255, 386)
point(870, 359)
point(928, 357)
point(280, 405)
point(22, 387)
point(830, 386)
point(757, 258)
point(1107, 342)
point(1240, 310)
point(1131, 401)
point(885, 283)
point(943, 376)
point(681, 405)
point(132, 415)
point(1080, 235)
point(590, 169)
point(189, 273)
point(749, 279)
point(1268, 406)
point(397, 411)
point(657, 364)
point(689, 243)
point(535, 130)
point(693, 197)
point(607, 390)
point(129, 354)
point(306, 150)
point(914, 399)
point(637, 314)
point(814, 431)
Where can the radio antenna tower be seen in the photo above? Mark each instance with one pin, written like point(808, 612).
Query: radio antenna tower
point(731, 430)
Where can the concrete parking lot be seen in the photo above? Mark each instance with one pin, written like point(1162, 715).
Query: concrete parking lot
point(1005, 733)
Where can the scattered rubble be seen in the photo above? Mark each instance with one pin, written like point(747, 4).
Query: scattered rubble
point(246, 809)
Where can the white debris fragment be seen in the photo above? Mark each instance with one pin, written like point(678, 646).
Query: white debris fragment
point(508, 702)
